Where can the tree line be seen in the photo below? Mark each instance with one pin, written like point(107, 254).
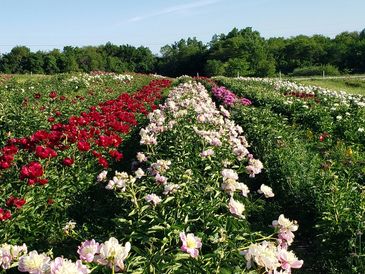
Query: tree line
point(240, 52)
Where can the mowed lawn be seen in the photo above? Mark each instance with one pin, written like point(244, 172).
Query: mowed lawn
point(349, 85)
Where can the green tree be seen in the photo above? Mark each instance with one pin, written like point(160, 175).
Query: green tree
point(214, 67)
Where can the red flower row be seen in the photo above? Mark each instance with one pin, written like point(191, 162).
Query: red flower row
point(100, 128)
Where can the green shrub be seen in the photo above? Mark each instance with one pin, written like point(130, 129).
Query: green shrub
point(329, 70)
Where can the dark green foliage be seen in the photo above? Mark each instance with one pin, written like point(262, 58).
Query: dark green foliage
point(244, 52)
point(328, 70)
point(107, 58)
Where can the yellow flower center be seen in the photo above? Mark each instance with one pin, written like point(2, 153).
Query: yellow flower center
point(190, 242)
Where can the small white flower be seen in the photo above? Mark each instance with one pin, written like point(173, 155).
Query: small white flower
point(361, 129)
point(102, 176)
point(141, 157)
point(207, 153)
point(70, 225)
point(266, 190)
point(139, 173)
point(170, 188)
point(229, 174)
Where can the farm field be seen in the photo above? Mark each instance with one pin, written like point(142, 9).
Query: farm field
point(111, 173)
point(349, 85)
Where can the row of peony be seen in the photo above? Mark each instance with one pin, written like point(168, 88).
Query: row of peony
point(290, 87)
point(84, 79)
point(189, 105)
point(96, 132)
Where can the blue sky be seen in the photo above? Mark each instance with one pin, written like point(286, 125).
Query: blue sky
point(47, 24)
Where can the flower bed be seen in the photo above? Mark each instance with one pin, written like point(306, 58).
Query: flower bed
point(318, 175)
point(193, 191)
point(42, 172)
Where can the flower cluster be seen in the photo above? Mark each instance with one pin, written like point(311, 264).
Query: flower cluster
point(110, 253)
point(227, 97)
point(213, 126)
point(10, 253)
point(85, 80)
point(120, 181)
point(272, 256)
point(303, 91)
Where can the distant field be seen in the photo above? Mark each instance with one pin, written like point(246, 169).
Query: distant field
point(349, 85)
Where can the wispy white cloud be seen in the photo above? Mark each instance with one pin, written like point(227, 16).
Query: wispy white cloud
point(174, 9)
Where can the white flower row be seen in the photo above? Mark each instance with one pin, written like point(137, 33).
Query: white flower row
point(289, 86)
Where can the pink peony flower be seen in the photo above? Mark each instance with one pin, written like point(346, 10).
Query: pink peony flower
point(65, 266)
point(191, 244)
point(113, 254)
point(288, 260)
point(153, 198)
point(160, 180)
point(87, 250)
point(207, 153)
point(34, 263)
point(286, 229)
point(236, 208)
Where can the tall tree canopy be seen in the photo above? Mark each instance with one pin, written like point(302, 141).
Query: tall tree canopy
point(240, 52)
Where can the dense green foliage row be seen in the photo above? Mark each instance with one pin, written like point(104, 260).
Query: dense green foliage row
point(243, 52)
point(318, 177)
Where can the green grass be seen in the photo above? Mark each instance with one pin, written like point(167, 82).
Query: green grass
point(349, 85)
point(21, 78)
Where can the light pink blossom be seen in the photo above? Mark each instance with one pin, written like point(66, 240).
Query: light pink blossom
point(161, 180)
point(207, 153)
point(87, 250)
point(190, 244)
point(113, 254)
point(65, 266)
point(288, 260)
point(266, 190)
point(236, 208)
point(34, 263)
point(153, 198)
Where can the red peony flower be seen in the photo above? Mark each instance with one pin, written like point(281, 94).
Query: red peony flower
point(39, 135)
point(45, 152)
point(10, 150)
point(68, 161)
point(17, 202)
point(96, 154)
point(103, 162)
point(4, 165)
point(116, 154)
point(51, 119)
point(52, 94)
point(4, 214)
point(31, 170)
point(37, 95)
point(83, 146)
